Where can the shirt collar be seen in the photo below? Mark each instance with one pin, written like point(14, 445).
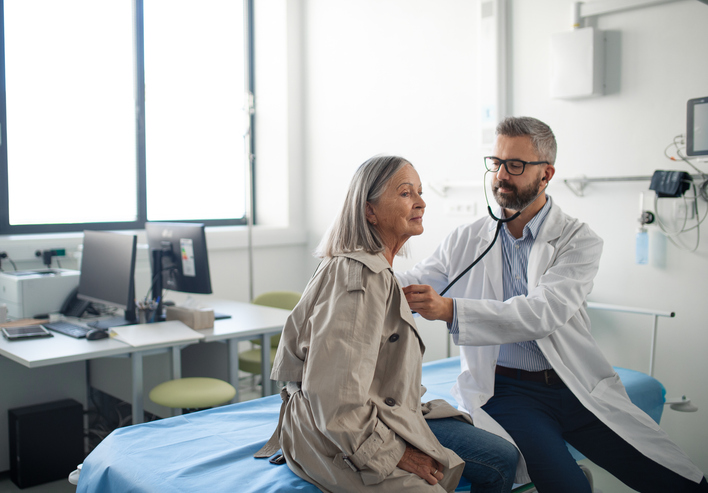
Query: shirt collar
point(536, 221)
point(534, 225)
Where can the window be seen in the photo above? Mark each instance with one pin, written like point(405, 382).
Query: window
point(118, 112)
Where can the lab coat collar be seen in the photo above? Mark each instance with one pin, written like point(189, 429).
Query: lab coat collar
point(541, 253)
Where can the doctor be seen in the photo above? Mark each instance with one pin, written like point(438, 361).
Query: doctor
point(531, 371)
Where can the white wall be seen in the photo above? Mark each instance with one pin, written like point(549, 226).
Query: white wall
point(398, 76)
point(394, 77)
point(654, 67)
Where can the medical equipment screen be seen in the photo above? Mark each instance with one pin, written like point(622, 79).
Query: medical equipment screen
point(697, 127)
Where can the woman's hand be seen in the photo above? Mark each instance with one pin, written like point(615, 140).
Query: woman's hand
point(417, 462)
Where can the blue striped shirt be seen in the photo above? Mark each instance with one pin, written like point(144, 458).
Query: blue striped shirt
point(515, 259)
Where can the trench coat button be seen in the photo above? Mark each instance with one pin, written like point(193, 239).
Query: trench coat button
point(390, 401)
point(393, 338)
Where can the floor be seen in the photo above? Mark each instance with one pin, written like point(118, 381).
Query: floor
point(604, 482)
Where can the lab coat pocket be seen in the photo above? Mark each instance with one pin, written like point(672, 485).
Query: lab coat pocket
point(610, 384)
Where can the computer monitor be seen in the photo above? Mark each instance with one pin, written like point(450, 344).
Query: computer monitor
point(178, 258)
point(697, 127)
point(108, 274)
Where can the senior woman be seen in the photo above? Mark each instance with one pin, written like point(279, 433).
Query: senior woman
point(351, 354)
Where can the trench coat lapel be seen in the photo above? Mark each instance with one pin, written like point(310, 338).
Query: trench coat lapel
point(377, 263)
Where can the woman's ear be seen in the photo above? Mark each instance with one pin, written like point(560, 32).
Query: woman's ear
point(370, 215)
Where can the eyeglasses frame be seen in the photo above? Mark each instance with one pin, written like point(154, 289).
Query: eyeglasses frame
point(502, 162)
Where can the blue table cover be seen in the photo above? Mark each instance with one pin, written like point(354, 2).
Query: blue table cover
point(212, 450)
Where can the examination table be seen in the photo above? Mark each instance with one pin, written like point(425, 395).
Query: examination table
point(212, 450)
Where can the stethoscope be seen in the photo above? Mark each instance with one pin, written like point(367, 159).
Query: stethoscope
point(500, 222)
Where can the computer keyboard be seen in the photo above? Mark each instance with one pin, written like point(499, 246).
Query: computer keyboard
point(68, 329)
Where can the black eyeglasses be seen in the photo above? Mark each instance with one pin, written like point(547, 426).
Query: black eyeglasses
point(513, 166)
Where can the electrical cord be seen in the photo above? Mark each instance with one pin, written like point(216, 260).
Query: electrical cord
point(679, 144)
point(675, 234)
point(4, 255)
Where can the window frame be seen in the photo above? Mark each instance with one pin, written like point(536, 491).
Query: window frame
point(139, 73)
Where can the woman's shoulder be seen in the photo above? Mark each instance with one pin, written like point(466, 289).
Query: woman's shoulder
point(354, 271)
point(375, 262)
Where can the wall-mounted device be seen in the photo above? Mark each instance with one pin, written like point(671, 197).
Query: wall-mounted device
point(697, 127)
point(577, 64)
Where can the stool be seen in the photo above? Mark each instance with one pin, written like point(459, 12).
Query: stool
point(192, 393)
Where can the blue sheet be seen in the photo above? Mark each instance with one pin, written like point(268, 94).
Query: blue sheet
point(213, 450)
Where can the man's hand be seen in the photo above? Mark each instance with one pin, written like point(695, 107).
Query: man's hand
point(416, 462)
point(424, 300)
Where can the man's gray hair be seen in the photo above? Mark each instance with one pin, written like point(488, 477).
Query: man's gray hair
point(541, 135)
point(351, 231)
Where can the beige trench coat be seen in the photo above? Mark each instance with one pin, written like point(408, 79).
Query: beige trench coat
point(353, 347)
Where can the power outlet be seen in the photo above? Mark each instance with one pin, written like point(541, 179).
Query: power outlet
point(461, 209)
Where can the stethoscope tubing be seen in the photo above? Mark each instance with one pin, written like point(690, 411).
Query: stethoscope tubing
point(500, 222)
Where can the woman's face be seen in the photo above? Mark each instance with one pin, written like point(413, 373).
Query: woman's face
point(398, 214)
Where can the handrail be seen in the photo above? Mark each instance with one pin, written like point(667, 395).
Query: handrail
point(577, 185)
point(640, 311)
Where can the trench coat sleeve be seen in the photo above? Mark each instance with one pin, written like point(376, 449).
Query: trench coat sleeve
point(561, 274)
point(347, 331)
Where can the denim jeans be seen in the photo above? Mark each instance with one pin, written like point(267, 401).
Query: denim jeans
point(541, 418)
point(490, 461)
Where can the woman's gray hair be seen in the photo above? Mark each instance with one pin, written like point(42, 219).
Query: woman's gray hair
point(541, 135)
point(351, 231)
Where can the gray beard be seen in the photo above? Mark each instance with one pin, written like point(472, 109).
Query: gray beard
point(520, 198)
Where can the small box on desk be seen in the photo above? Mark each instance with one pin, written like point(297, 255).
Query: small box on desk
point(46, 442)
point(196, 318)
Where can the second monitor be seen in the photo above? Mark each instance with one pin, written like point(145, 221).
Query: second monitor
point(178, 258)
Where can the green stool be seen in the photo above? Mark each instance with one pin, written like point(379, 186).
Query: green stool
point(192, 393)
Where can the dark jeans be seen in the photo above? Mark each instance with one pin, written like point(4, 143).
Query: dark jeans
point(541, 418)
point(490, 461)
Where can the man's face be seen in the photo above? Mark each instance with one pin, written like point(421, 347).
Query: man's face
point(514, 192)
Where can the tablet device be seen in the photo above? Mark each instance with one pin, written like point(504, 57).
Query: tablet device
point(26, 332)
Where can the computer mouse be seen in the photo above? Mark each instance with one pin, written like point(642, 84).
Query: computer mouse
point(95, 334)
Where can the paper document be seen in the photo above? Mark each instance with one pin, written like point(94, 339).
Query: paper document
point(157, 333)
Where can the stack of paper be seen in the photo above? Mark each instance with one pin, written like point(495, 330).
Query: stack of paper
point(154, 334)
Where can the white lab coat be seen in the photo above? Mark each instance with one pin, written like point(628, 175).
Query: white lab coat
point(562, 265)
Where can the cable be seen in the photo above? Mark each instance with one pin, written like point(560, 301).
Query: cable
point(701, 191)
point(675, 234)
point(4, 255)
point(679, 144)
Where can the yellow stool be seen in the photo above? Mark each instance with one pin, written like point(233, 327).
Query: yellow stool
point(192, 393)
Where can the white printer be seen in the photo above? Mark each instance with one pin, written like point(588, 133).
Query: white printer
point(34, 292)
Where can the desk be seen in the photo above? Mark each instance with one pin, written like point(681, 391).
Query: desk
point(64, 349)
point(248, 321)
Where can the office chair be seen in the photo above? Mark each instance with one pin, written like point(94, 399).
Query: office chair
point(250, 361)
